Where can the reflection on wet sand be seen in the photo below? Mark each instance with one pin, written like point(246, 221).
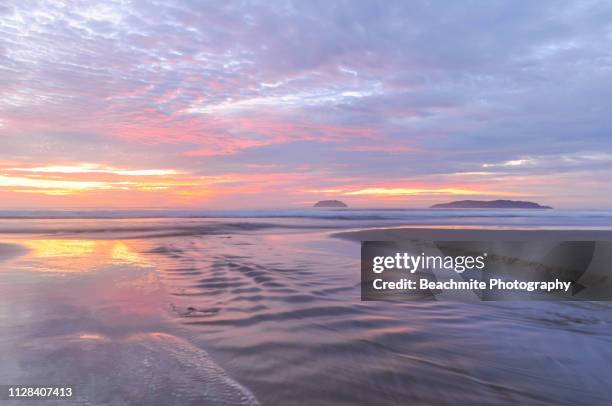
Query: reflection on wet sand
point(96, 319)
point(60, 248)
point(77, 255)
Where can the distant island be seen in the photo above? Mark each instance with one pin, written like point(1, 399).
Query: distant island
point(491, 204)
point(330, 203)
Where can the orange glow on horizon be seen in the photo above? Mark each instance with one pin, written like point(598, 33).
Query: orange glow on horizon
point(96, 168)
point(107, 185)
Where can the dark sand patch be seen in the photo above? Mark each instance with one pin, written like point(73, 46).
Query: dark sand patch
point(433, 234)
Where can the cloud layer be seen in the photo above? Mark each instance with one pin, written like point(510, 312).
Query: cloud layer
point(391, 103)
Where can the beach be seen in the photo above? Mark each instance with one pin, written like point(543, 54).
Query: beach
point(186, 311)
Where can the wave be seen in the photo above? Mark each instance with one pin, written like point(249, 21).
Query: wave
point(171, 223)
point(339, 213)
point(510, 217)
point(146, 368)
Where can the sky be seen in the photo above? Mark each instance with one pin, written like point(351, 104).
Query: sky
point(274, 104)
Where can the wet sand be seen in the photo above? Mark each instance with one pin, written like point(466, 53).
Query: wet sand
point(8, 251)
point(273, 316)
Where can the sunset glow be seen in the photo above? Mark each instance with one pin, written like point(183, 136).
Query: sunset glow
point(96, 168)
point(101, 107)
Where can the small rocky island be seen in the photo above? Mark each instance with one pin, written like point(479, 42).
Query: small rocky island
point(491, 204)
point(330, 203)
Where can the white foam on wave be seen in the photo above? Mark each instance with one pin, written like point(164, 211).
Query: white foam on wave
point(147, 368)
